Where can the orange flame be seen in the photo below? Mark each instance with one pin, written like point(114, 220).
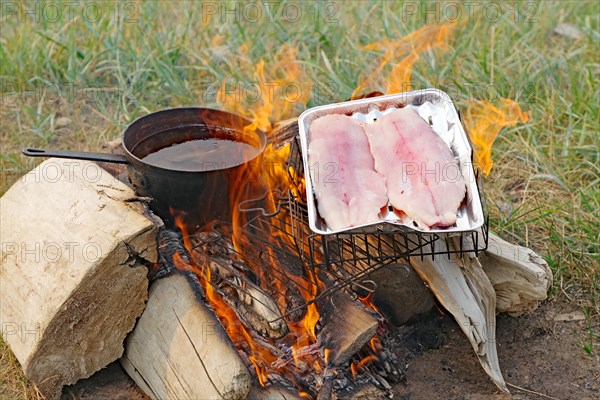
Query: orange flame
point(410, 46)
point(484, 121)
point(366, 360)
point(310, 320)
point(368, 301)
point(279, 90)
point(239, 335)
point(282, 86)
point(357, 366)
point(375, 344)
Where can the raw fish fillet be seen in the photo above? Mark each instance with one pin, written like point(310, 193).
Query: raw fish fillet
point(349, 191)
point(423, 179)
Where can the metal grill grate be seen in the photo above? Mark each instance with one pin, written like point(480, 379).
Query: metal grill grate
point(278, 252)
point(371, 247)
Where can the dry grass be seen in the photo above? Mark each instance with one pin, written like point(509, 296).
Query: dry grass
point(542, 192)
point(13, 384)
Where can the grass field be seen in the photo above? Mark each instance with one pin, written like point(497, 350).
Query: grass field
point(72, 79)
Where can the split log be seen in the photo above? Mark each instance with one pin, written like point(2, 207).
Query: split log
point(179, 349)
point(254, 306)
point(72, 274)
point(273, 393)
point(520, 277)
point(347, 327)
point(284, 131)
point(462, 287)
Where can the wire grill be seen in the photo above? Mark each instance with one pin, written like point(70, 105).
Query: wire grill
point(368, 248)
point(282, 255)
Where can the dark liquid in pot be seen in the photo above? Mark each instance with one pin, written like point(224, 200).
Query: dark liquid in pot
point(202, 155)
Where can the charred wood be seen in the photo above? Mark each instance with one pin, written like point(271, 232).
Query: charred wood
point(346, 327)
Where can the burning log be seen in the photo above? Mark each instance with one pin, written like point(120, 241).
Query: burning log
point(285, 131)
point(179, 349)
point(273, 393)
point(462, 287)
point(255, 315)
point(347, 327)
point(254, 307)
point(520, 277)
point(72, 271)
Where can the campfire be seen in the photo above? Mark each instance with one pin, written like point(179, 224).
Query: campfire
point(255, 303)
point(288, 317)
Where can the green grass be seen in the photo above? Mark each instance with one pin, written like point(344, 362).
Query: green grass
point(591, 338)
point(542, 192)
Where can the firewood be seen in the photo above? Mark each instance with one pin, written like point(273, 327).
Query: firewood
point(254, 307)
point(73, 279)
point(179, 349)
point(284, 131)
point(520, 277)
point(347, 327)
point(462, 287)
point(251, 319)
point(400, 294)
point(273, 393)
point(265, 306)
point(251, 296)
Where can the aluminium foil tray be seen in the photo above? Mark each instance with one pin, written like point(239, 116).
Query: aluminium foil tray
point(433, 106)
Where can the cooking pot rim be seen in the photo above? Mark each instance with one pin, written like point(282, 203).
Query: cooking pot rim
point(261, 136)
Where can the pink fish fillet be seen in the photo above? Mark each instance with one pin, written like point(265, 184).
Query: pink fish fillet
point(423, 179)
point(348, 190)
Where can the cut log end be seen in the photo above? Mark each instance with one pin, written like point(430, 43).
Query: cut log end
point(521, 278)
point(73, 274)
point(347, 327)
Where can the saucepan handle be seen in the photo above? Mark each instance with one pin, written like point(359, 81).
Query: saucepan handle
point(76, 155)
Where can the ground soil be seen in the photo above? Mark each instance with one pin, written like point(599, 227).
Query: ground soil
point(537, 352)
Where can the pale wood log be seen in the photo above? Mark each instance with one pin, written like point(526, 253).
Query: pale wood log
point(462, 287)
point(347, 327)
point(72, 279)
point(521, 278)
point(273, 393)
point(179, 349)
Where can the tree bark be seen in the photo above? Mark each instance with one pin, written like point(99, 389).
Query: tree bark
point(347, 327)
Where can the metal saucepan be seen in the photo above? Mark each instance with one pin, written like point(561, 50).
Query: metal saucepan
point(204, 194)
